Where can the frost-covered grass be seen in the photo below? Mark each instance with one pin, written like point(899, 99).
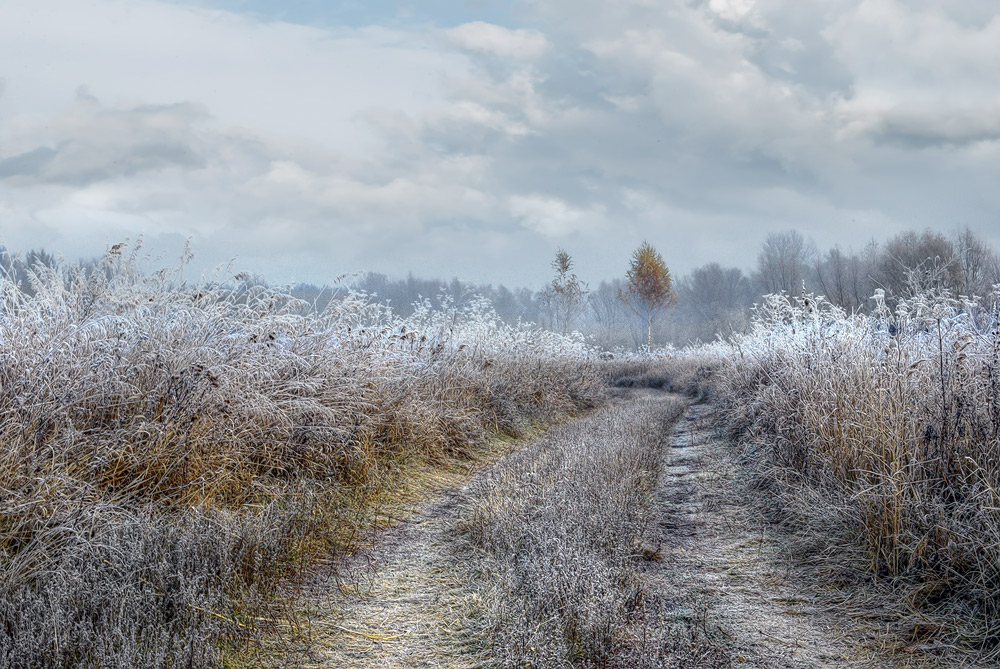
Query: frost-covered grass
point(171, 453)
point(878, 440)
point(555, 532)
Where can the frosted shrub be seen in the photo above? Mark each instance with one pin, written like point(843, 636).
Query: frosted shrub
point(148, 423)
point(896, 416)
point(518, 370)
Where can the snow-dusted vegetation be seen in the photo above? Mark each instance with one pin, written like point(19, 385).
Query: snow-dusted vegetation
point(555, 531)
point(173, 452)
point(876, 439)
point(176, 455)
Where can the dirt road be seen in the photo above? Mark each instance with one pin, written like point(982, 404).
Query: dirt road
point(729, 570)
point(719, 577)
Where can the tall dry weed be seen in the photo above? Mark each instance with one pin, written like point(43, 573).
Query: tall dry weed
point(891, 418)
point(172, 451)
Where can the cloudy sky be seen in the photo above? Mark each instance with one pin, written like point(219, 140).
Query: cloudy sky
point(307, 138)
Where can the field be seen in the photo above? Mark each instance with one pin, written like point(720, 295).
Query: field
point(171, 455)
point(180, 462)
point(874, 441)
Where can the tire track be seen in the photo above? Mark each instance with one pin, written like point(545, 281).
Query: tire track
point(727, 572)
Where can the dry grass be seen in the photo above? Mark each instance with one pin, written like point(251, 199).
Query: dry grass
point(556, 531)
point(876, 440)
point(171, 453)
point(684, 372)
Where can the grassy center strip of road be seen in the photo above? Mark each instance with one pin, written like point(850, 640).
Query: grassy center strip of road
point(554, 536)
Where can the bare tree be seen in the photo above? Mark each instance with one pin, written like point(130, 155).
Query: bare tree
point(711, 300)
point(612, 324)
point(928, 257)
point(977, 263)
point(846, 278)
point(783, 262)
point(713, 289)
point(565, 295)
point(862, 275)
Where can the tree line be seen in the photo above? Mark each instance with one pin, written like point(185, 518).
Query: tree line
point(646, 306)
point(714, 300)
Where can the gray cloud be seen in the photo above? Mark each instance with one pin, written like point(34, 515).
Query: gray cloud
point(28, 164)
point(91, 143)
point(910, 129)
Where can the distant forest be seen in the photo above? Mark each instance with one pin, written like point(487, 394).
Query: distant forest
point(710, 301)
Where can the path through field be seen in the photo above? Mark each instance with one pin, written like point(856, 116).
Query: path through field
point(400, 603)
point(719, 577)
point(729, 569)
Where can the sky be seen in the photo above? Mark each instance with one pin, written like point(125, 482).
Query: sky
point(304, 139)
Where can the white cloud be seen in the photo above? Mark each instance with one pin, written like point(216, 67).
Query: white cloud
point(468, 112)
point(920, 76)
point(88, 144)
point(278, 79)
point(488, 38)
point(553, 217)
point(732, 10)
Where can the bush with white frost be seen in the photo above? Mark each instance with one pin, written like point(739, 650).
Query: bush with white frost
point(172, 452)
point(894, 417)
